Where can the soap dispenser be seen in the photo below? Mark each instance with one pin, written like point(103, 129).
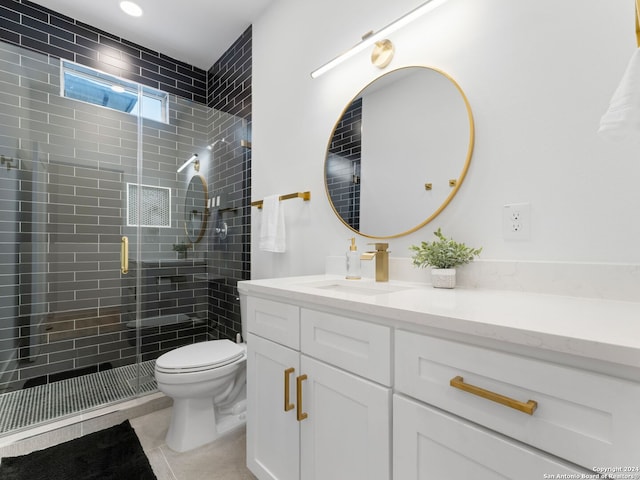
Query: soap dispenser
point(353, 261)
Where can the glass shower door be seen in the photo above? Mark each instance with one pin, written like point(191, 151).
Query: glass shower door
point(9, 277)
point(78, 329)
point(68, 339)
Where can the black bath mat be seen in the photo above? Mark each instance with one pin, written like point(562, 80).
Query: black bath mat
point(114, 453)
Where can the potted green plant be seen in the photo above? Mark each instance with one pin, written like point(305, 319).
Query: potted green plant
point(443, 255)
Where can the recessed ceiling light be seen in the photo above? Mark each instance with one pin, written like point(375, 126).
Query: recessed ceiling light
point(131, 8)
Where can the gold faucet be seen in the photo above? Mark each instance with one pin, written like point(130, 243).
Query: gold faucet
point(381, 256)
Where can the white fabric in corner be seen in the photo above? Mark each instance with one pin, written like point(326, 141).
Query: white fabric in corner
point(272, 231)
point(622, 120)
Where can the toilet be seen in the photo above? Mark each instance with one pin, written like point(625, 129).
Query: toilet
point(207, 382)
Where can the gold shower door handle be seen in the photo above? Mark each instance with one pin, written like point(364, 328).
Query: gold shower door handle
point(287, 375)
point(299, 413)
point(527, 407)
point(124, 255)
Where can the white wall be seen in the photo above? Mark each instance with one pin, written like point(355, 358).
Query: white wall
point(538, 75)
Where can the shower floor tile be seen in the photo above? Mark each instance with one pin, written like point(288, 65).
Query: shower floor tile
point(33, 406)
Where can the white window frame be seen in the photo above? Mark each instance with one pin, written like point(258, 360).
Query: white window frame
point(112, 81)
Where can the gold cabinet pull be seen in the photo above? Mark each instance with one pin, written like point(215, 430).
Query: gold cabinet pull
point(124, 255)
point(526, 407)
point(287, 374)
point(300, 414)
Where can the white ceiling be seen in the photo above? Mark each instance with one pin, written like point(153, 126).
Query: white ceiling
point(197, 32)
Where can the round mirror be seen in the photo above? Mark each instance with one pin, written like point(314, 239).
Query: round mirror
point(195, 209)
point(399, 152)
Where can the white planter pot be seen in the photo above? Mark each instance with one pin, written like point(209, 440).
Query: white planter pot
point(443, 277)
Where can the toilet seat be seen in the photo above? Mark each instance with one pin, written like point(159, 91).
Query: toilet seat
point(200, 357)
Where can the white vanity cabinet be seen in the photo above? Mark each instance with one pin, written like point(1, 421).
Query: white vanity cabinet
point(319, 408)
point(423, 384)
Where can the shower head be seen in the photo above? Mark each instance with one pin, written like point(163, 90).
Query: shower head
point(210, 147)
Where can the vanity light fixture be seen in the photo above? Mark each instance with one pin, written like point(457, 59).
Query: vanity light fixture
point(194, 157)
point(382, 53)
point(131, 8)
point(379, 37)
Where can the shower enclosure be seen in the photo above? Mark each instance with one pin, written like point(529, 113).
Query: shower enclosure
point(78, 182)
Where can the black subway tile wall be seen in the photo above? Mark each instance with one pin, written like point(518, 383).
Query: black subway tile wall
point(64, 211)
point(230, 183)
point(343, 165)
point(229, 79)
point(37, 28)
point(64, 305)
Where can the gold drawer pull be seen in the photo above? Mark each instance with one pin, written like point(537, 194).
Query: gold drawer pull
point(287, 374)
point(300, 414)
point(528, 407)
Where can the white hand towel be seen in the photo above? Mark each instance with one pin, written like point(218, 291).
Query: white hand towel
point(272, 232)
point(622, 119)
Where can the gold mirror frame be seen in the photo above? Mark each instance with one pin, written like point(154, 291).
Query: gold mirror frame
point(454, 183)
point(193, 238)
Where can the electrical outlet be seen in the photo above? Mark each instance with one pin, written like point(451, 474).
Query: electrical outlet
point(516, 221)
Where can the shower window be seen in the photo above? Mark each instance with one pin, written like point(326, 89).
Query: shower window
point(98, 88)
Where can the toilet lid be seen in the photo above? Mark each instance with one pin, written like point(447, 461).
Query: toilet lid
point(200, 356)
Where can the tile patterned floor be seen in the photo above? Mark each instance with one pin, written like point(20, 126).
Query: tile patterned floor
point(223, 459)
point(20, 411)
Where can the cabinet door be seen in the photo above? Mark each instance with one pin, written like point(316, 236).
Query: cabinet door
point(346, 434)
point(429, 443)
point(273, 439)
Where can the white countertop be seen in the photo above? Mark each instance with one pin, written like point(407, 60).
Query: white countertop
point(605, 330)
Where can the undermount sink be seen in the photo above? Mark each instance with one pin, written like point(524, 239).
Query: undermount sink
point(352, 287)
